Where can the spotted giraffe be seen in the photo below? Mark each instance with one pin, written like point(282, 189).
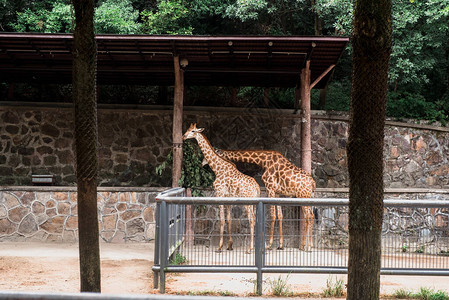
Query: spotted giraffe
point(229, 182)
point(280, 177)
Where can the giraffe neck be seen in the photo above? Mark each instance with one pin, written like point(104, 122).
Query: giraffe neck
point(258, 157)
point(216, 163)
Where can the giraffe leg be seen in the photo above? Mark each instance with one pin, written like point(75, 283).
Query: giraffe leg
point(306, 228)
point(302, 231)
point(273, 220)
point(228, 217)
point(222, 224)
point(310, 218)
point(281, 235)
point(252, 223)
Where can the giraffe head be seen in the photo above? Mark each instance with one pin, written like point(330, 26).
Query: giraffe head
point(192, 132)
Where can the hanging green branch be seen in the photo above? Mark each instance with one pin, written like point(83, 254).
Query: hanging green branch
point(193, 174)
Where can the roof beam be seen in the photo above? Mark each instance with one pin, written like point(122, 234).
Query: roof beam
point(321, 76)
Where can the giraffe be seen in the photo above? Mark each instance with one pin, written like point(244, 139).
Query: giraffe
point(280, 177)
point(229, 182)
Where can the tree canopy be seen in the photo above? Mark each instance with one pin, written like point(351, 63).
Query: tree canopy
point(419, 67)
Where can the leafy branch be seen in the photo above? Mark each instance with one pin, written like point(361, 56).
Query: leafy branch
point(193, 174)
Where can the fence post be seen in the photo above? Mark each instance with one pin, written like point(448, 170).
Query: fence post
point(164, 244)
point(157, 246)
point(260, 244)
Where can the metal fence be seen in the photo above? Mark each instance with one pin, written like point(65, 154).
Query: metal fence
point(415, 237)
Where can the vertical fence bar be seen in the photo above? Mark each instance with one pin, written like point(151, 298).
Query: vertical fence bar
point(164, 221)
point(157, 247)
point(260, 244)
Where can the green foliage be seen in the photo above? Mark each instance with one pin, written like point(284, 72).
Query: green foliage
point(337, 98)
point(112, 16)
point(246, 9)
point(402, 294)
point(279, 286)
point(333, 289)
point(423, 294)
point(170, 17)
point(406, 105)
point(193, 174)
point(178, 259)
point(52, 18)
point(420, 33)
point(116, 16)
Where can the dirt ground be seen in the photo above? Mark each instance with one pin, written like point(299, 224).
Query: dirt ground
point(28, 267)
point(126, 269)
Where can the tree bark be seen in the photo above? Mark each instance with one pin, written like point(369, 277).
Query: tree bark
point(371, 53)
point(85, 109)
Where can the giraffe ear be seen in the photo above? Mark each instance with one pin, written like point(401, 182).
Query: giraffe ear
point(200, 130)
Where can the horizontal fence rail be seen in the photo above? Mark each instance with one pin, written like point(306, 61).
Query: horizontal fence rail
point(415, 237)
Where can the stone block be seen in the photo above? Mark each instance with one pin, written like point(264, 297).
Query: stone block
point(54, 225)
point(60, 196)
point(112, 198)
point(28, 226)
point(7, 227)
point(37, 208)
point(50, 130)
point(135, 227)
point(10, 200)
point(124, 197)
point(18, 213)
point(3, 211)
point(27, 198)
point(43, 196)
point(148, 214)
point(150, 231)
point(122, 207)
point(63, 208)
point(119, 237)
point(130, 214)
point(72, 223)
point(109, 222)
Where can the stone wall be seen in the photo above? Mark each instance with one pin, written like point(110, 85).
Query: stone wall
point(50, 214)
point(132, 142)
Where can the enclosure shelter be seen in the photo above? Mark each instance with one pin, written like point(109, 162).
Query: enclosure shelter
point(265, 61)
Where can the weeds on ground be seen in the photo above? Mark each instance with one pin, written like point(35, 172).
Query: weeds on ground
point(333, 289)
point(402, 294)
point(211, 293)
point(423, 294)
point(178, 259)
point(279, 286)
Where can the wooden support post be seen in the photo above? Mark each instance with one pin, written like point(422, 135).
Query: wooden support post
point(177, 122)
point(11, 91)
point(306, 143)
point(266, 93)
point(234, 96)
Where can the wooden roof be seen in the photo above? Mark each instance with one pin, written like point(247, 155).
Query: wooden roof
point(268, 61)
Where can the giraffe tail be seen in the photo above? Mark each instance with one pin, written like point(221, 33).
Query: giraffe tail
point(314, 208)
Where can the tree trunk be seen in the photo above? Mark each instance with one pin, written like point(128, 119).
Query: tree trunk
point(85, 108)
point(371, 53)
